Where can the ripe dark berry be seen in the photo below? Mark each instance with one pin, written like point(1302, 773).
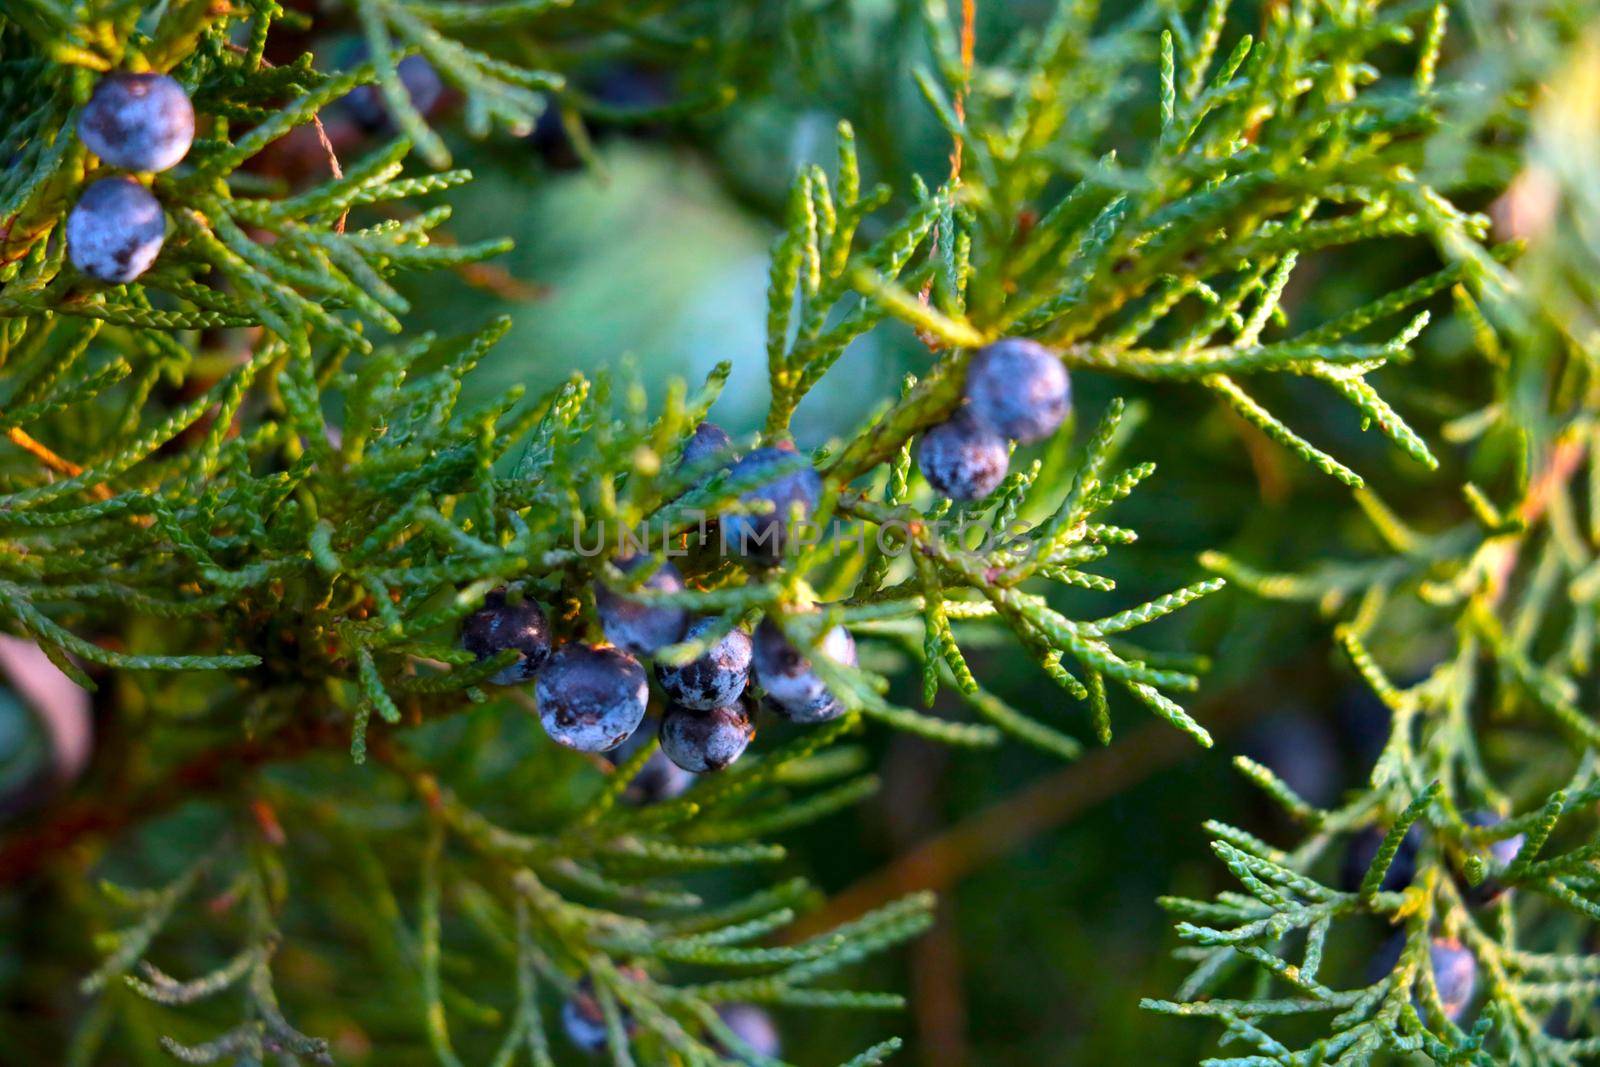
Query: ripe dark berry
point(618, 89)
point(550, 139)
point(584, 1019)
point(1018, 389)
point(116, 230)
point(703, 741)
point(631, 87)
point(634, 625)
point(659, 779)
point(961, 459)
point(793, 688)
point(1455, 974)
point(713, 679)
point(760, 538)
point(1502, 853)
point(500, 625)
point(708, 452)
point(591, 699)
point(1362, 721)
point(366, 105)
point(1302, 750)
point(1364, 848)
point(1382, 963)
point(708, 443)
point(423, 87)
point(138, 122)
point(755, 1028)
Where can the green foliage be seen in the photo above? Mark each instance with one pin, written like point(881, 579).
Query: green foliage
point(264, 551)
point(1501, 599)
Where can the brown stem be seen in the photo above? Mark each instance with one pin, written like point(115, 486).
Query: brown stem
point(983, 837)
point(1558, 470)
point(49, 458)
point(75, 823)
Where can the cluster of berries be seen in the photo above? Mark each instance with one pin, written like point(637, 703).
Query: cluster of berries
point(1403, 867)
point(1455, 969)
point(593, 698)
point(585, 1023)
point(145, 123)
point(1017, 390)
point(134, 122)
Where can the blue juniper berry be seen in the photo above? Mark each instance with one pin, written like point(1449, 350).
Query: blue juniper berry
point(591, 698)
point(793, 688)
point(141, 122)
point(1455, 974)
point(500, 625)
point(705, 741)
point(1383, 961)
point(1300, 748)
point(659, 779)
point(116, 230)
point(1454, 969)
point(1018, 389)
point(1504, 851)
point(1502, 854)
point(754, 1028)
point(366, 105)
point(550, 140)
point(962, 459)
point(1363, 850)
point(634, 625)
point(713, 679)
point(707, 444)
point(617, 89)
point(760, 538)
point(708, 452)
point(584, 1019)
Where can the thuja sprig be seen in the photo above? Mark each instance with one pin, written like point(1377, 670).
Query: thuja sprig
point(508, 60)
point(1477, 862)
point(591, 897)
point(1172, 268)
point(1480, 864)
point(987, 580)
